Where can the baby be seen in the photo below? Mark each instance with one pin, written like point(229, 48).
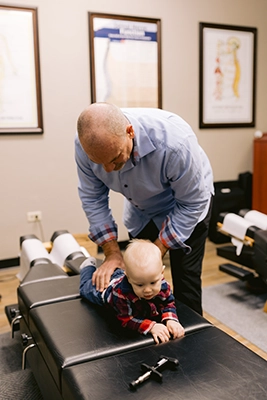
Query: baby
point(141, 297)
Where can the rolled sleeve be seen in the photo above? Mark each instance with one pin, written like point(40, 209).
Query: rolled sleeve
point(102, 236)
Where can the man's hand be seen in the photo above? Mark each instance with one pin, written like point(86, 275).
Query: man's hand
point(160, 333)
point(175, 328)
point(113, 260)
point(162, 248)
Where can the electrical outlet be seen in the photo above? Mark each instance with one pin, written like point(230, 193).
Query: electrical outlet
point(33, 216)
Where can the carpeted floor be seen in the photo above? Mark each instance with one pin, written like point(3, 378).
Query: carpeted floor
point(15, 383)
point(234, 306)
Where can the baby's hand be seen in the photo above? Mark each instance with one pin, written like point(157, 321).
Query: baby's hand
point(160, 331)
point(175, 328)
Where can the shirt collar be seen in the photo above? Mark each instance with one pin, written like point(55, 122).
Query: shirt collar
point(140, 133)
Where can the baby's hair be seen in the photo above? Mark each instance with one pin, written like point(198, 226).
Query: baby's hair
point(141, 252)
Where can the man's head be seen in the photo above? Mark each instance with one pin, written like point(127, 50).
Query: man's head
point(143, 268)
point(105, 135)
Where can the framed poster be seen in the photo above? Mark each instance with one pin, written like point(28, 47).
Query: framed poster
point(125, 60)
point(227, 76)
point(20, 88)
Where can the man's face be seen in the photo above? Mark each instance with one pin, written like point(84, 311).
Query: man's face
point(114, 153)
point(116, 159)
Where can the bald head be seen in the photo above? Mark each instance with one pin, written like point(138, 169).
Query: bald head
point(105, 135)
point(99, 122)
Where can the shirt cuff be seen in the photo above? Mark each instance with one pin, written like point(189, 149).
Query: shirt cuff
point(170, 239)
point(169, 315)
point(146, 326)
point(104, 235)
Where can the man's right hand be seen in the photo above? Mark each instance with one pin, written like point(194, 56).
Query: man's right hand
point(113, 260)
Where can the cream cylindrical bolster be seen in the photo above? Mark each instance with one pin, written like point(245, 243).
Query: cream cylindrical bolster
point(257, 218)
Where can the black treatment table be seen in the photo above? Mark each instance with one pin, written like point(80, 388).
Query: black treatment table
point(77, 350)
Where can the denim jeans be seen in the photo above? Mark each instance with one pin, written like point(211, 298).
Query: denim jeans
point(88, 290)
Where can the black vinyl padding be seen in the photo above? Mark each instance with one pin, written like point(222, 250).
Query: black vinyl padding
point(76, 331)
point(39, 293)
point(212, 365)
point(42, 272)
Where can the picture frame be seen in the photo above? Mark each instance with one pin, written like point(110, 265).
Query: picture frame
point(125, 60)
point(227, 76)
point(20, 84)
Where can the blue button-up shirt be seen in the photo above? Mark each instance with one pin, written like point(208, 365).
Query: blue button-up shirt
point(168, 180)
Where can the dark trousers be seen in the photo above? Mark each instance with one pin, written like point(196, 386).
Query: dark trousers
point(185, 268)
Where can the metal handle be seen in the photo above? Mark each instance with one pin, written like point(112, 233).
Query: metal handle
point(14, 312)
point(25, 338)
point(14, 320)
point(24, 354)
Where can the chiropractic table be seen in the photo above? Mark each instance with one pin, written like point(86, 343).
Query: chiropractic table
point(248, 233)
point(77, 350)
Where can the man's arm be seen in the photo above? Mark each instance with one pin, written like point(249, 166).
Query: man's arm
point(161, 246)
point(103, 229)
point(190, 178)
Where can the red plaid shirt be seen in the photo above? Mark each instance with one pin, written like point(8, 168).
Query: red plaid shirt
point(135, 313)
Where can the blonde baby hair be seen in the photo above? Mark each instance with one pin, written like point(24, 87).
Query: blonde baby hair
point(142, 254)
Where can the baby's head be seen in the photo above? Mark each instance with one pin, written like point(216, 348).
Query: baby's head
point(143, 268)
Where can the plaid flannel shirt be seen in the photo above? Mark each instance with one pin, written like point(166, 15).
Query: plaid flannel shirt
point(135, 313)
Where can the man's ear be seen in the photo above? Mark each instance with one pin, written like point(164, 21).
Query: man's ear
point(130, 131)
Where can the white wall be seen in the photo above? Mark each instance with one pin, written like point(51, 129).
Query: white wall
point(38, 171)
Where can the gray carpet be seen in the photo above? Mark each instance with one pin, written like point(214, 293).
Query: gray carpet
point(234, 306)
point(15, 384)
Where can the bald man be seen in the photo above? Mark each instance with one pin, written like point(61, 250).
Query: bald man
point(153, 159)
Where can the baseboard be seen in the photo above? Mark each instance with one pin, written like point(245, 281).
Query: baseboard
point(10, 262)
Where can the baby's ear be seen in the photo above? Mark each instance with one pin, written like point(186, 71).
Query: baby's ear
point(163, 267)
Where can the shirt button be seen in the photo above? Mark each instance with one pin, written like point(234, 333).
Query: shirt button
point(130, 199)
point(125, 185)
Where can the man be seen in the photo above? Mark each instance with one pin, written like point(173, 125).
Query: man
point(153, 158)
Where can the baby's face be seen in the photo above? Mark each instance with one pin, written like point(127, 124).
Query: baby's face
point(147, 285)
